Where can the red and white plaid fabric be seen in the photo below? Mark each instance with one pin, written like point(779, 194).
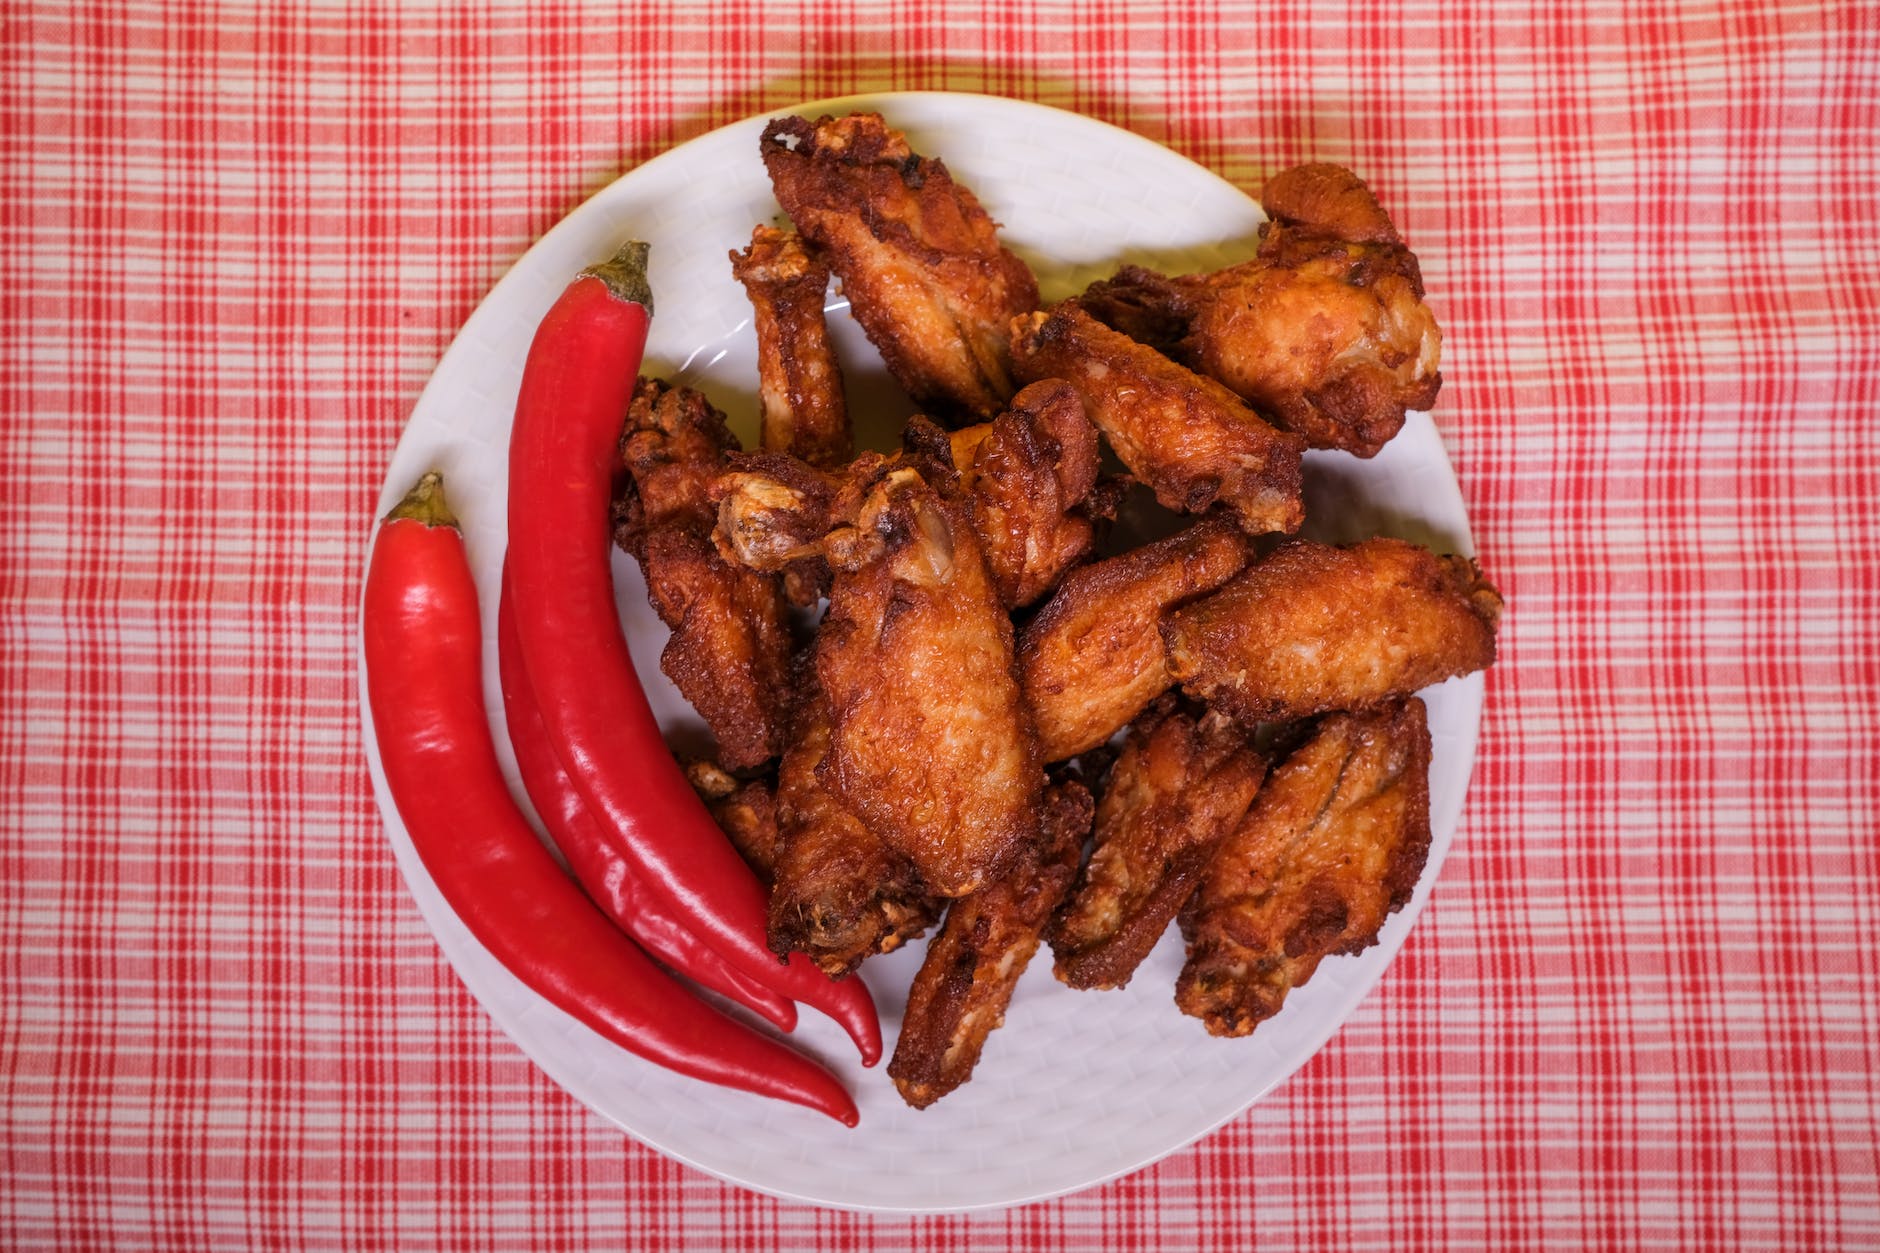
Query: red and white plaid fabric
point(1641, 1008)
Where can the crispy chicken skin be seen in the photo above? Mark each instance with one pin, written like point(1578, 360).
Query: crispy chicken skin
point(931, 746)
point(802, 410)
point(920, 262)
point(1093, 657)
point(730, 647)
point(1178, 787)
point(744, 809)
point(965, 983)
point(772, 511)
point(1333, 844)
point(1314, 628)
point(1324, 331)
point(1192, 441)
point(838, 893)
point(1031, 475)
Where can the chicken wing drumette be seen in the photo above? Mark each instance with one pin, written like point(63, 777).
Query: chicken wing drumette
point(802, 409)
point(729, 654)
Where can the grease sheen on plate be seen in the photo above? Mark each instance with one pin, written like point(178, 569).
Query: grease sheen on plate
point(1077, 1087)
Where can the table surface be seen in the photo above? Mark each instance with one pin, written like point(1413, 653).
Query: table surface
point(1640, 1008)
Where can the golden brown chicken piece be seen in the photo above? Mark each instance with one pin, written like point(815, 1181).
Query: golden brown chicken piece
point(838, 893)
point(1193, 442)
point(802, 410)
point(1335, 842)
point(1093, 657)
point(931, 745)
point(1031, 474)
point(772, 512)
point(920, 262)
point(1324, 331)
point(1176, 790)
point(730, 648)
point(965, 983)
point(1314, 628)
point(744, 809)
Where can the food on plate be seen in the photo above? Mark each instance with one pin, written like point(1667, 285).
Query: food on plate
point(774, 510)
point(1314, 628)
point(1178, 786)
point(729, 653)
point(591, 848)
point(423, 652)
point(1189, 439)
point(744, 809)
point(930, 745)
point(890, 648)
point(1335, 841)
point(578, 381)
point(839, 893)
point(1093, 657)
point(1031, 475)
point(967, 977)
point(920, 262)
point(1324, 331)
point(802, 410)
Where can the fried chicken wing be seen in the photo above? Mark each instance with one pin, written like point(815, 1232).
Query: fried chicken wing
point(1191, 440)
point(966, 981)
point(1093, 657)
point(730, 647)
point(1324, 331)
point(1031, 474)
point(744, 809)
point(1334, 843)
point(931, 746)
point(1176, 790)
point(919, 259)
point(802, 410)
point(838, 893)
point(773, 510)
point(1314, 628)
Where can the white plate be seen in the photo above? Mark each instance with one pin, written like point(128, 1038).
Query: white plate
point(1078, 1087)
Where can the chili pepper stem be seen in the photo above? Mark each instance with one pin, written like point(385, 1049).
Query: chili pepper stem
point(425, 503)
point(624, 274)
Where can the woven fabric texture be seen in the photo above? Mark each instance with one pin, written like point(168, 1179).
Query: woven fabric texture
point(1640, 1008)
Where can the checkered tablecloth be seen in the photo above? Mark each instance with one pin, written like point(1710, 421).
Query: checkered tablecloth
point(1641, 1007)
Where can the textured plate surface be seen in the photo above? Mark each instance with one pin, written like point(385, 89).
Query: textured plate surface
point(1077, 1087)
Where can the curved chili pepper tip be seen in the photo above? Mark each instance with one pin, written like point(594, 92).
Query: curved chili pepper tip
point(425, 503)
point(624, 274)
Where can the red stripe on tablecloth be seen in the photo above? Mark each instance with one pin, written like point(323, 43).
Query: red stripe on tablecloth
point(1640, 1006)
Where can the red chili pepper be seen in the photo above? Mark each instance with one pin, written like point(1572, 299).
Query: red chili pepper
point(592, 857)
point(424, 680)
point(563, 455)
